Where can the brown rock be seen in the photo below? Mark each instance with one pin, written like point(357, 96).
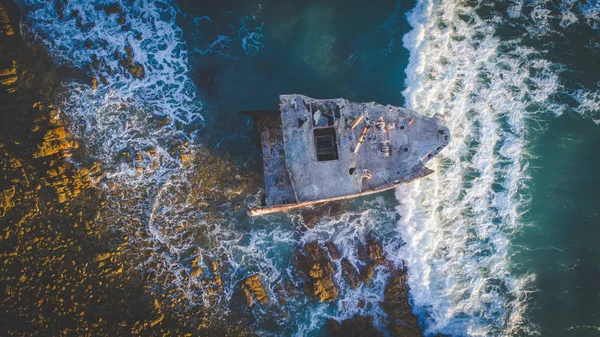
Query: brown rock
point(94, 82)
point(6, 200)
point(195, 272)
point(55, 140)
point(375, 251)
point(357, 326)
point(397, 306)
point(253, 288)
point(5, 26)
point(137, 71)
point(215, 269)
point(333, 250)
point(351, 274)
point(290, 288)
point(367, 272)
point(112, 9)
point(316, 270)
point(310, 217)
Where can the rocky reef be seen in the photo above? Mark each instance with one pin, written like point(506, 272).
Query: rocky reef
point(316, 271)
point(358, 326)
point(254, 290)
point(66, 269)
point(396, 305)
point(61, 271)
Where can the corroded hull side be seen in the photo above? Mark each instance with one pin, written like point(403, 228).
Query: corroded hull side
point(319, 150)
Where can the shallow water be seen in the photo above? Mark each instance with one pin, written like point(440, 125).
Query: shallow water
point(495, 240)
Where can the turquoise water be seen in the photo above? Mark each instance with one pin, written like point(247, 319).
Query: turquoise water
point(499, 241)
point(561, 246)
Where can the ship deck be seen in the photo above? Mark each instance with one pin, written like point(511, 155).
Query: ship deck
point(330, 149)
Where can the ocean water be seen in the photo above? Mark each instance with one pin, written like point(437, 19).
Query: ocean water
point(499, 241)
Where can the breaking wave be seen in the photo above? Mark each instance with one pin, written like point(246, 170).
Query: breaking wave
point(458, 224)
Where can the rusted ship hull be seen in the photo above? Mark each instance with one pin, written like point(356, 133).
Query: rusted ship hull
point(266, 210)
point(320, 150)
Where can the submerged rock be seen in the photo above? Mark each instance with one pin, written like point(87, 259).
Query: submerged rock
point(137, 71)
point(351, 274)
point(113, 8)
point(310, 217)
point(357, 326)
point(333, 250)
point(367, 272)
point(316, 270)
point(397, 306)
point(254, 289)
point(375, 251)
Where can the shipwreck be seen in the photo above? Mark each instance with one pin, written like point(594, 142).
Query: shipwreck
point(319, 150)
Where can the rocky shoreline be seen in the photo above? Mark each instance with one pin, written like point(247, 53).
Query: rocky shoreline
point(63, 272)
point(315, 265)
point(316, 269)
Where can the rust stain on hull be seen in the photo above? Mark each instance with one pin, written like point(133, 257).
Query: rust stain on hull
point(311, 150)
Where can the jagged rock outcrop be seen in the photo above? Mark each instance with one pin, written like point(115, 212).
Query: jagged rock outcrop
point(310, 217)
point(333, 250)
point(351, 274)
point(357, 326)
point(375, 251)
point(56, 139)
point(367, 272)
point(371, 251)
point(316, 270)
point(196, 270)
point(5, 25)
point(397, 306)
point(254, 290)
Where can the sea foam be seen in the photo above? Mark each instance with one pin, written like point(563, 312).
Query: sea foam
point(458, 224)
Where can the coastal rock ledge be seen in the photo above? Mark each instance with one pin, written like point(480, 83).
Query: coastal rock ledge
point(316, 270)
point(254, 290)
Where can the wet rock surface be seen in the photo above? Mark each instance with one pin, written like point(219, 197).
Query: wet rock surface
point(397, 306)
point(316, 271)
point(333, 250)
point(254, 290)
point(351, 274)
point(357, 326)
point(64, 272)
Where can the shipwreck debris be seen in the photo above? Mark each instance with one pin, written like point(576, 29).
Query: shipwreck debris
point(314, 149)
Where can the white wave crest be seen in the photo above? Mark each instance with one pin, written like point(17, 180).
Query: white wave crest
point(458, 224)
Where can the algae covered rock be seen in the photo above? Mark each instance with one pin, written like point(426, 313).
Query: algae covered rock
point(351, 274)
point(375, 251)
point(397, 306)
point(317, 271)
point(253, 289)
point(367, 272)
point(56, 139)
point(5, 25)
